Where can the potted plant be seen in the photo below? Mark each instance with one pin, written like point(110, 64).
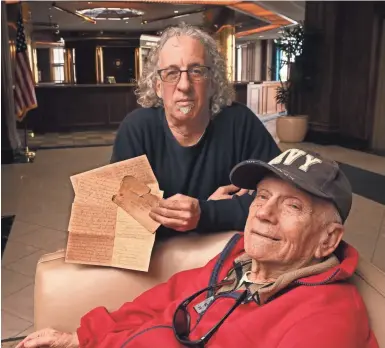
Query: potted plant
point(292, 127)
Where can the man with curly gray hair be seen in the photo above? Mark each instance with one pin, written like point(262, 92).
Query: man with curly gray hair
point(193, 133)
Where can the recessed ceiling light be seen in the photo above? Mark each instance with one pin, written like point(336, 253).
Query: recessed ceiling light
point(176, 11)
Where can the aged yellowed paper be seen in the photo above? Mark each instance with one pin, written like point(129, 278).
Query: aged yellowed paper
point(110, 223)
point(139, 167)
point(132, 245)
point(136, 199)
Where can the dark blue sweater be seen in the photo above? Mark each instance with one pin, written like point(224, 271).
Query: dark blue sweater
point(234, 135)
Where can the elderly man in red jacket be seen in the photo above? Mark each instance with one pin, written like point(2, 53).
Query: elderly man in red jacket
point(281, 284)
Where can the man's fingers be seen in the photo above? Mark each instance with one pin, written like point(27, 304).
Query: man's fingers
point(173, 214)
point(21, 344)
point(173, 204)
point(175, 224)
point(39, 342)
point(228, 189)
point(224, 192)
point(219, 197)
point(242, 192)
point(34, 335)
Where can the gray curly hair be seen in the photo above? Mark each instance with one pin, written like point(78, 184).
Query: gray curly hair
point(224, 93)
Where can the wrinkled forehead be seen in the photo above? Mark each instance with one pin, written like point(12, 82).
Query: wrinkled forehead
point(182, 50)
point(276, 184)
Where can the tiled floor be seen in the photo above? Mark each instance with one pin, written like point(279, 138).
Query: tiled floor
point(40, 195)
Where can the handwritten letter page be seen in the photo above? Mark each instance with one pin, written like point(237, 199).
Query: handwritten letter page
point(133, 243)
point(138, 167)
point(110, 223)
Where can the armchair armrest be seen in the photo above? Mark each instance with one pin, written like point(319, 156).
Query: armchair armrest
point(64, 292)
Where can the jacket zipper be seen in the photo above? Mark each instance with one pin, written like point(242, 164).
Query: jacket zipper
point(143, 331)
point(318, 283)
point(256, 297)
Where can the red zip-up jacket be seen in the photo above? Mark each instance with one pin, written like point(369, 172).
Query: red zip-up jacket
point(321, 311)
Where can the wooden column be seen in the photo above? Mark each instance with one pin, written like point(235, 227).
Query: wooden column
point(226, 38)
point(378, 139)
point(219, 21)
point(69, 66)
point(341, 58)
point(99, 64)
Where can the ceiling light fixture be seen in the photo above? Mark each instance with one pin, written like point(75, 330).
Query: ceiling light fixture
point(86, 18)
point(110, 13)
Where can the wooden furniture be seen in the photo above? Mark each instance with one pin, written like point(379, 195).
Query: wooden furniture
point(73, 107)
point(261, 98)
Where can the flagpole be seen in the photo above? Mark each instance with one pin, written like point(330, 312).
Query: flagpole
point(29, 155)
point(24, 91)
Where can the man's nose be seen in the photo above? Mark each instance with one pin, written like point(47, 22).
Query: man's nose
point(184, 82)
point(267, 211)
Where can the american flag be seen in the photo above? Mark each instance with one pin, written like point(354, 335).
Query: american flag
point(24, 92)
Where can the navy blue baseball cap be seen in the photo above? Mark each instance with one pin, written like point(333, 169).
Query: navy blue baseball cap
point(306, 170)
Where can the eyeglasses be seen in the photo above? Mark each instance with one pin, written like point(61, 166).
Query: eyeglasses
point(181, 319)
point(196, 74)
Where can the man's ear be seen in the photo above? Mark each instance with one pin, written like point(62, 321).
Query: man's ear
point(330, 238)
point(158, 89)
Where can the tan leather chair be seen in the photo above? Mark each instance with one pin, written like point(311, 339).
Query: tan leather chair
point(65, 292)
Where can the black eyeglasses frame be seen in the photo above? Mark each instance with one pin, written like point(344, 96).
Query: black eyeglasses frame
point(180, 73)
point(182, 337)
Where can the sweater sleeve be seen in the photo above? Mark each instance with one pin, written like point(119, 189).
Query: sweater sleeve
point(225, 214)
point(329, 330)
point(99, 327)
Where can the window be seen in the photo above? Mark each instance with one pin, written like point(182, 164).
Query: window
point(282, 66)
point(73, 65)
point(58, 64)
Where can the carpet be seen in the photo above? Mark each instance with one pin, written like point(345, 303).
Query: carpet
point(11, 342)
point(6, 226)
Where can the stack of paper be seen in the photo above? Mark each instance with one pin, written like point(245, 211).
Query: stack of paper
point(110, 223)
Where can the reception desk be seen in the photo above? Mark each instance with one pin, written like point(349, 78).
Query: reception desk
point(76, 107)
point(83, 107)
